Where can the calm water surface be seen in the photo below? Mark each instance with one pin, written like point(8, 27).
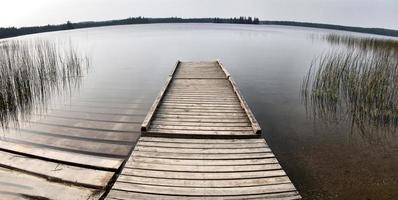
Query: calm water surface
point(325, 159)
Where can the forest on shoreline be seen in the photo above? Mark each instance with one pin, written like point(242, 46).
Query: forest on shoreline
point(13, 31)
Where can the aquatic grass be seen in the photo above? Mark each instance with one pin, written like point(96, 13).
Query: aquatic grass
point(357, 79)
point(31, 71)
point(362, 42)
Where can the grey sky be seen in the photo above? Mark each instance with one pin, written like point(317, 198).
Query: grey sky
point(367, 13)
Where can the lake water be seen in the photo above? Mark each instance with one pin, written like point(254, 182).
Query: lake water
point(324, 159)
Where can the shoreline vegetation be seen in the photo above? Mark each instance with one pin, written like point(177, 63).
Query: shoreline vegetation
point(356, 80)
point(14, 32)
point(31, 72)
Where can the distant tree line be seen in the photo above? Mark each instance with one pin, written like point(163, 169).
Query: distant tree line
point(377, 31)
point(13, 31)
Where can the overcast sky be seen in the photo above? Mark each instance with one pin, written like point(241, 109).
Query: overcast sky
point(367, 13)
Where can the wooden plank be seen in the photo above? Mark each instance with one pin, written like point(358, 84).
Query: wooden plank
point(136, 106)
point(190, 162)
point(102, 109)
point(197, 168)
point(199, 156)
point(94, 116)
point(194, 116)
point(200, 73)
point(203, 175)
point(170, 118)
point(203, 141)
point(55, 171)
point(90, 124)
point(201, 76)
point(230, 99)
point(202, 124)
point(218, 103)
point(120, 194)
point(184, 95)
point(72, 144)
point(203, 88)
point(16, 184)
point(189, 191)
point(201, 150)
point(202, 105)
point(197, 114)
point(200, 82)
point(195, 132)
point(201, 128)
point(166, 109)
point(62, 156)
point(45, 129)
point(148, 118)
point(202, 145)
point(201, 108)
point(204, 183)
point(200, 93)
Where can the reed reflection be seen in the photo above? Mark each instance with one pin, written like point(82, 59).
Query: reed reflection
point(356, 80)
point(32, 71)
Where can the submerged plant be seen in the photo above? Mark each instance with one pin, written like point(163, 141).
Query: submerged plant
point(31, 72)
point(358, 79)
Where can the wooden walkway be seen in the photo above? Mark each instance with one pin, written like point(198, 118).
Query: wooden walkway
point(67, 153)
point(201, 141)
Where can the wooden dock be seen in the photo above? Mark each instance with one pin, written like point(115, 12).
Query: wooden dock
point(67, 153)
point(201, 141)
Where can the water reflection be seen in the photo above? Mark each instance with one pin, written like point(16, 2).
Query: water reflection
point(356, 80)
point(31, 71)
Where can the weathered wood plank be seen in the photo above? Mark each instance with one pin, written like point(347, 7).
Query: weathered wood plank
point(197, 168)
point(196, 114)
point(98, 117)
point(187, 99)
point(217, 103)
point(199, 156)
point(201, 94)
point(84, 134)
point(165, 109)
point(202, 150)
point(197, 132)
point(202, 145)
point(74, 144)
point(201, 128)
point(90, 124)
point(201, 105)
point(119, 194)
point(199, 120)
point(62, 156)
point(204, 183)
point(189, 162)
point(203, 141)
point(56, 171)
point(203, 175)
point(189, 191)
point(17, 184)
point(202, 124)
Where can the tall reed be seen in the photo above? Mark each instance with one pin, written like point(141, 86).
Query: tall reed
point(357, 78)
point(31, 72)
